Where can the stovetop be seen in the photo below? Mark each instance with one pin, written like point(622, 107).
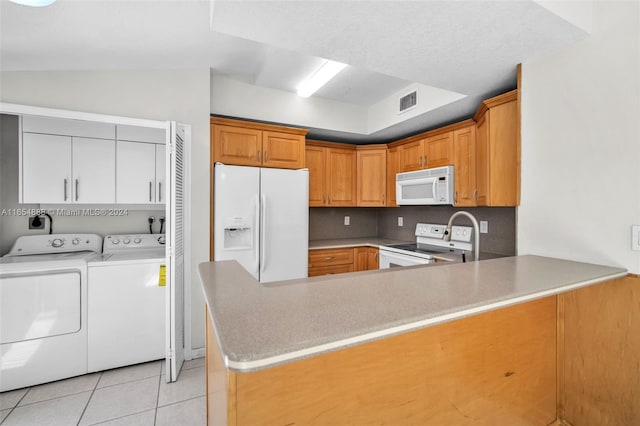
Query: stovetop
point(429, 241)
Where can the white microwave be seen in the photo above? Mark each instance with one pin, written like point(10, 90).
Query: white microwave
point(425, 187)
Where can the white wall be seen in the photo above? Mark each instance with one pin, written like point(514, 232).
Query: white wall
point(235, 98)
point(180, 95)
point(581, 144)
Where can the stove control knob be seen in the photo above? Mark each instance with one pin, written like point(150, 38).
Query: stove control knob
point(75, 241)
point(137, 240)
point(126, 241)
point(115, 241)
point(57, 242)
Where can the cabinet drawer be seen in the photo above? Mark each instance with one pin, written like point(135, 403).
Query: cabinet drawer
point(327, 270)
point(330, 257)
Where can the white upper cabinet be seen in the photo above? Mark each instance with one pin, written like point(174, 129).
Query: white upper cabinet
point(140, 173)
point(136, 173)
point(46, 168)
point(161, 188)
point(60, 167)
point(65, 161)
point(94, 172)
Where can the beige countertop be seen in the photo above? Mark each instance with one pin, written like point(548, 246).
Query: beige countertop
point(259, 326)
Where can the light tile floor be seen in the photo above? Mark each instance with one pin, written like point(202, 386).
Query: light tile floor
point(130, 396)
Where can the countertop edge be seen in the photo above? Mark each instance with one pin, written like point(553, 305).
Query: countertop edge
point(255, 365)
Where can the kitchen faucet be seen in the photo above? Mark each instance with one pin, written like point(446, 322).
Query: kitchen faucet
point(476, 231)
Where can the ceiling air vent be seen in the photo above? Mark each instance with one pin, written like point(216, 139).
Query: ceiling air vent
point(408, 101)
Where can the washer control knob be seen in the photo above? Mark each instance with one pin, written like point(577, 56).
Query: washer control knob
point(57, 242)
point(115, 241)
point(75, 241)
point(126, 241)
point(137, 240)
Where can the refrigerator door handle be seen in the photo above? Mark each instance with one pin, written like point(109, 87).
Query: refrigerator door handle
point(263, 234)
point(256, 234)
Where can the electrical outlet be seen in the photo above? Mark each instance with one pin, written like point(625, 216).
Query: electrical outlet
point(484, 226)
point(347, 220)
point(635, 237)
point(36, 222)
point(400, 221)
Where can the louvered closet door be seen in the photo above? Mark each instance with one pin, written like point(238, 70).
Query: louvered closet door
point(180, 135)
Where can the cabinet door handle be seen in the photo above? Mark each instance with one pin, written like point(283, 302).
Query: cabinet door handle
point(455, 197)
point(328, 258)
point(259, 156)
point(384, 198)
point(65, 190)
point(328, 199)
point(159, 192)
point(426, 160)
point(475, 195)
point(76, 189)
point(150, 190)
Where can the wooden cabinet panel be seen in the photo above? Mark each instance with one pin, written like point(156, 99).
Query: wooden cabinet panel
point(283, 150)
point(482, 160)
point(372, 177)
point(373, 258)
point(330, 257)
point(341, 177)
point(314, 161)
point(437, 150)
point(411, 156)
point(236, 145)
point(464, 150)
point(361, 258)
point(245, 143)
point(392, 169)
point(329, 270)
point(497, 153)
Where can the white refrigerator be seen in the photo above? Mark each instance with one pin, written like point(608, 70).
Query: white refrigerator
point(261, 219)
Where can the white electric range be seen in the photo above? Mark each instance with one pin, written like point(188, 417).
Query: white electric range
point(43, 308)
point(429, 247)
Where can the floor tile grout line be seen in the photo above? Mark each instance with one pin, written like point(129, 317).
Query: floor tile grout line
point(121, 417)
point(16, 405)
point(184, 400)
point(84, 410)
point(155, 413)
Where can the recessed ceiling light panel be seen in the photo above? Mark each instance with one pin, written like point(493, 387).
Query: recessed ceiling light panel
point(326, 72)
point(34, 3)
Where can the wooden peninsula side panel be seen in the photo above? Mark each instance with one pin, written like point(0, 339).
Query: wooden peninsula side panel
point(493, 368)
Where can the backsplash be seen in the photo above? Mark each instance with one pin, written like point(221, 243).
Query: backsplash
point(500, 239)
point(328, 223)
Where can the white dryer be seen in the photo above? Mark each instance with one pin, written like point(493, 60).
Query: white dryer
point(127, 302)
point(43, 308)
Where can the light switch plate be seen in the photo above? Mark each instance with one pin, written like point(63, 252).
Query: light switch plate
point(635, 237)
point(400, 221)
point(347, 220)
point(484, 226)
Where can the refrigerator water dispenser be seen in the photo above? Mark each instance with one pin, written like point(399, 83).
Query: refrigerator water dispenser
point(238, 234)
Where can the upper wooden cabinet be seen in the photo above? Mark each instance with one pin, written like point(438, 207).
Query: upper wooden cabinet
point(392, 169)
point(372, 175)
point(464, 162)
point(428, 152)
point(246, 143)
point(332, 174)
point(497, 152)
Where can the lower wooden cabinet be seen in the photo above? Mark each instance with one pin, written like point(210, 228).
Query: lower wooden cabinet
point(340, 261)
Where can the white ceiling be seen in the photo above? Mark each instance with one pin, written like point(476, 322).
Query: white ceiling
point(469, 47)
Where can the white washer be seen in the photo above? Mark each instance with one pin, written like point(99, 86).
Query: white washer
point(127, 302)
point(43, 308)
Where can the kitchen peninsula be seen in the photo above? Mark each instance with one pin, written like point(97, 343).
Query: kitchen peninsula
point(470, 343)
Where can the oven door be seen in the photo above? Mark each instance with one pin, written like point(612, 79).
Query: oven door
point(390, 259)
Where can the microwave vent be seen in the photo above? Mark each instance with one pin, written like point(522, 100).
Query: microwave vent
point(408, 101)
